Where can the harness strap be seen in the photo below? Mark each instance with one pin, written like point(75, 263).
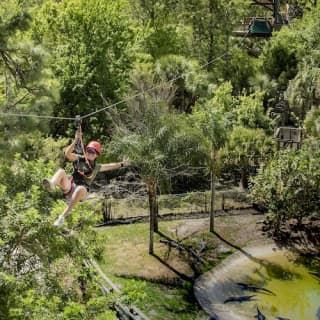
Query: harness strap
point(71, 189)
point(78, 148)
point(83, 174)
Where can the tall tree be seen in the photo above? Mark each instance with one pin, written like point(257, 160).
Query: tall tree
point(189, 80)
point(163, 32)
point(303, 90)
point(92, 45)
point(26, 82)
point(161, 144)
point(212, 22)
point(214, 127)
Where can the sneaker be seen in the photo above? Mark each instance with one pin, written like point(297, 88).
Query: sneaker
point(48, 185)
point(59, 221)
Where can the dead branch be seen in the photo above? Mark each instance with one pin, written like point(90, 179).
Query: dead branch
point(180, 247)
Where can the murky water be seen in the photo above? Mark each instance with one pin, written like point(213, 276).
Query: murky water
point(292, 291)
point(261, 283)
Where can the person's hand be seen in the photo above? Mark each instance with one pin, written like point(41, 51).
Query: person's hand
point(126, 162)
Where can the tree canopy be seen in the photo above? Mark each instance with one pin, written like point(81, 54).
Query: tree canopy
point(168, 85)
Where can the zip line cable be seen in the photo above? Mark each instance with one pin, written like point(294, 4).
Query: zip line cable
point(148, 90)
point(113, 104)
point(34, 116)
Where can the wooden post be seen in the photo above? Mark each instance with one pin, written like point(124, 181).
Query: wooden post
point(205, 203)
point(105, 211)
point(223, 202)
point(212, 192)
point(156, 212)
point(152, 189)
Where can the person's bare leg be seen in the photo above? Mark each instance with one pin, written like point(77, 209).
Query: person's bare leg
point(60, 179)
point(79, 194)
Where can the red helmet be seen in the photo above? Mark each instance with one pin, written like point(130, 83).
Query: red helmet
point(94, 145)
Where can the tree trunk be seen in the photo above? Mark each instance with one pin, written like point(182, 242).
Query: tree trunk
point(244, 181)
point(223, 202)
point(156, 214)
point(211, 34)
point(105, 209)
point(152, 188)
point(212, 185)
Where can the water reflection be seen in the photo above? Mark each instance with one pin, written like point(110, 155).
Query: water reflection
point(265, 284)
point(249, 287)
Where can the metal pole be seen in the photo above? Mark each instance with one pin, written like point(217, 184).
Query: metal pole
point(276, 9)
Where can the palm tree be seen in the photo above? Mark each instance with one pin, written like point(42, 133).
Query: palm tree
point(160, 143)
point(214, 127)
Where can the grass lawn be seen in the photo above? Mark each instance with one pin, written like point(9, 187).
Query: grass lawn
point(151, 282)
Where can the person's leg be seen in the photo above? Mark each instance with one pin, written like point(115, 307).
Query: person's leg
point(79, 194)
point(60, 179)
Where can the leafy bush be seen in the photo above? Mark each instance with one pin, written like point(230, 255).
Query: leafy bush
point(41, 267)
point(289, 186)
point(134, 292)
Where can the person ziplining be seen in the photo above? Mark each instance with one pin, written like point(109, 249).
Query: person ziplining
point(75, 187)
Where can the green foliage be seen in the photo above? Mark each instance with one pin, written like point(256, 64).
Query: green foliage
point(246, 148)
point(279, 58)
point(250, 112)
point(305, 4)
point(33, 146)
point(312, 123)
point(74, 311)
point(304, 90)
point(246, 144)
point(291, 53)
point(212, 123)
point(33, 305)
point(160, 143)
point(186, 76)
point(162, 33)
point(166, 39)
point(289, 185)
point(299, 43)
point(222, 103)
point(26, 81)
point(222, 99)
point(40, 266)
point(238, 69)
point(212, 22)
point(92, 52)
point(306, 30)
point(171, 147)
point(14, 18)
point(134, 292)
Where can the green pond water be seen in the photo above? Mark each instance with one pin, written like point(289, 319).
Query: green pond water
point(294, 290)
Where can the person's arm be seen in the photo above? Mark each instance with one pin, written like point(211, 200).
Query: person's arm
point(114, 166)
point(111, 166)
point(70, 155)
